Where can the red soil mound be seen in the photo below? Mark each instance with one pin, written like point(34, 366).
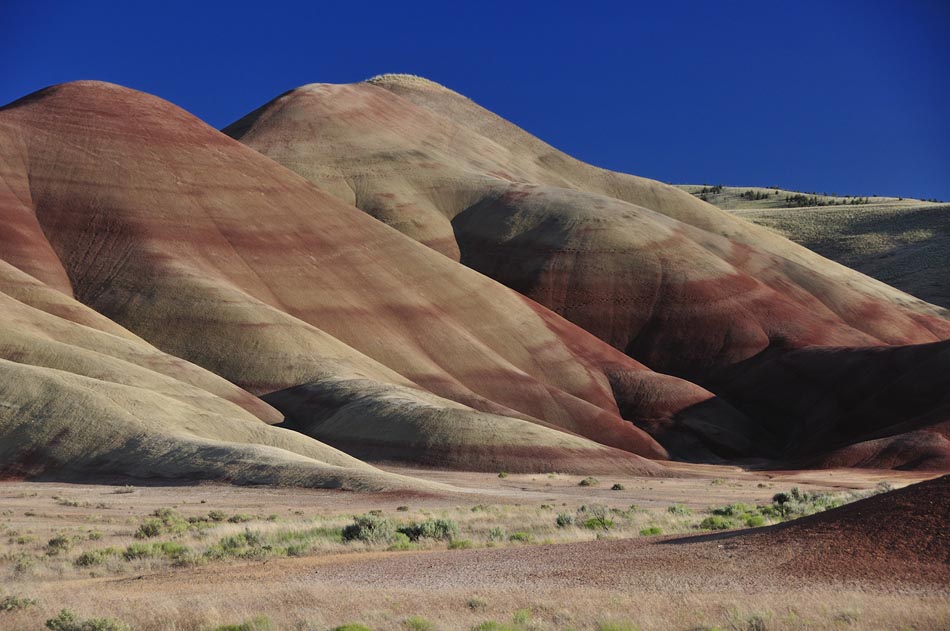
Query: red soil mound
point(898, 535)
point(218, 255)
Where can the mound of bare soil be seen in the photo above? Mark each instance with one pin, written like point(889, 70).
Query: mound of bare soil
point(902, 535)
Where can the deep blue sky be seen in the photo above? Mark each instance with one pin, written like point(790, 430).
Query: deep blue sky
point(826, 96)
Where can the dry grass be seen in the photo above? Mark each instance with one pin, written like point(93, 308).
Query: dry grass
point(200, 591)
point(902, 242)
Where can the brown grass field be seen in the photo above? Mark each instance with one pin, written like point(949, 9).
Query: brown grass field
point(901, 241)
point(273, 558)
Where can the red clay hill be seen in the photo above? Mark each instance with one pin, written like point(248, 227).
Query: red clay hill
point(169, 294)
point(139, 216)
point(896, 536)
point(671, 281)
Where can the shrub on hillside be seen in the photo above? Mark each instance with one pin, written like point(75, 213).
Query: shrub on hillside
point(439, 529)
point(563, 520)
point(67, 620)
point(370, 529)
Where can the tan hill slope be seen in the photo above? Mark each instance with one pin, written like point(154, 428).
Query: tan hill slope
point(903, 242)
point(81, 396)
point(669, 279)
point(364, 338)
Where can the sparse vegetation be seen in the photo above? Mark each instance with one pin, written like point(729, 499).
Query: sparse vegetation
point(563, 520)
point(58, 545)
point(371, 529)
point(617, 487)
point(418, 623)
point(66, 501)
point(203, 540)
point(460, 544)
point(95, 557)
point(476, 604)
point(257, 623)
point(496, 533)
point(715, 522)
point(438, 529)
point(15, 603)
point(165, 521)
point(617, 626)
point(521, 617)
point(67, 620)
point(598, 519)
point(589, 481)
point(170, 550)
point(239, 519)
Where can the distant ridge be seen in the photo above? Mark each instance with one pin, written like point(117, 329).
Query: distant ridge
point(901, 241)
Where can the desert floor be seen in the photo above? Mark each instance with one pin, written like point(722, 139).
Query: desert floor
point(514, 565)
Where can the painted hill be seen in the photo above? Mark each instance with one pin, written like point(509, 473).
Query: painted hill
point(890, 537)
point(81, 396)
point(903, 242)
point(668, 279)
point(126, 212)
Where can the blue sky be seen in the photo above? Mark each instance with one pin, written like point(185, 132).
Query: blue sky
point(850, 97)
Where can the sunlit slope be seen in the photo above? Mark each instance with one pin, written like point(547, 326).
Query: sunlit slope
point(671, 280)
point(220, 256)
point(81, 397)
point(902, 242)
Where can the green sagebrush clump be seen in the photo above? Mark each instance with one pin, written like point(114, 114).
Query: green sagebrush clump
point(599, 518)
point(798, 503)
point(15, 603)
point(563, 520)
point(438, 529)
point(164, 521)
point(90, 558)
point(716, 522)
point(170, 550)
point(785, 506)
point(58, 545)
point(370, 529)
point(67, 620)
point(249, 544)
point(617, 626)
point(418, 623)
point(257, 623)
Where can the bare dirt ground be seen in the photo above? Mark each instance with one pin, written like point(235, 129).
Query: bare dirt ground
point(561, 578)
